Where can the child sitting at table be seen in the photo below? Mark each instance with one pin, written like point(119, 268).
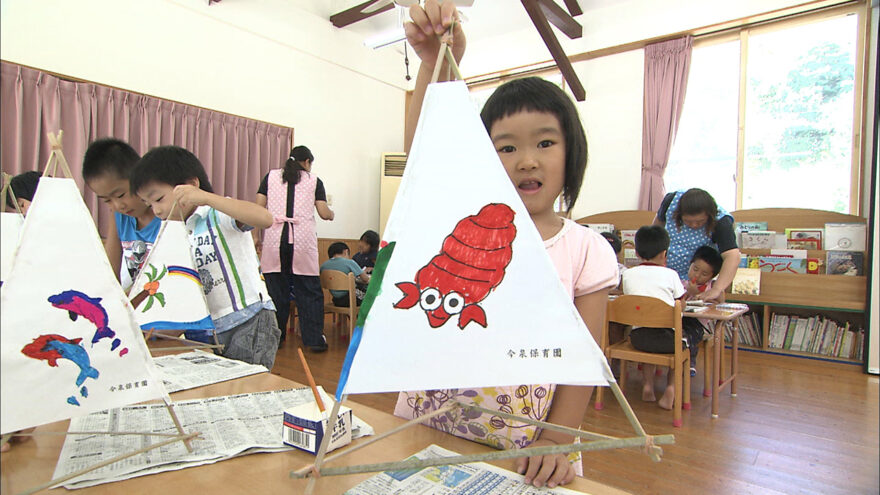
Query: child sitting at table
point(340, 260)
point(705, 266)
point(653, 279)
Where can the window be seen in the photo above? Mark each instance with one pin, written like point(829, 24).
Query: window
point(796, 113)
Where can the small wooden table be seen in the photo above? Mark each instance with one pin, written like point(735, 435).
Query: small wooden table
point(31, 463)
point(719, 316)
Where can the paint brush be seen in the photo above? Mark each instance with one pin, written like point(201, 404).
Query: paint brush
point(310, 379)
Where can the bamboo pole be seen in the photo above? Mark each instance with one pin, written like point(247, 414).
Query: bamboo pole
point(170, 407)
point(302, 472)
point(111, 433)
point(653, 450)
point(325, 443)
point(62, 479)
point(417, 464)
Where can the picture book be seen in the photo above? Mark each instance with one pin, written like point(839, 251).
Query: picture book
point(788, 253)
point(601, 227)
point(628, 243)
point(799, 235)
point(782, 264)
point(845, 236)
point(740, 227)
point(813, 265)
point(845, 263)
point(747, 281)
point(758, 239)
point(803, 244)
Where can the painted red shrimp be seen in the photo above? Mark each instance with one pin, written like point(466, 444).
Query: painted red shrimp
point(470, 265)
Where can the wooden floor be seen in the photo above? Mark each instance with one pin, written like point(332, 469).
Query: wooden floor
point(797, 426)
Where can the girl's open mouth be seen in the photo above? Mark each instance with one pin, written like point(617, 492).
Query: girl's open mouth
point(529, 186)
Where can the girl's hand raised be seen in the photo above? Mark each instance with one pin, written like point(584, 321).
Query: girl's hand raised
point(428, 23)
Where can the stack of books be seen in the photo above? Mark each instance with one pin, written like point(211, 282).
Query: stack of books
point(817, 335)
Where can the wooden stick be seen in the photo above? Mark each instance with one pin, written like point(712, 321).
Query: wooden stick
point(187, 347)
point(310, 379)
point(451, 60)
point(547, 426)
point(417, 464)
point(7, 189)
point(440, 58)
point(170, 407)
point(5, 439)
point(443, 410)
point(111, 433)
point(653, 450)
point(118, 458)
point(161, 335)
point(325, 443)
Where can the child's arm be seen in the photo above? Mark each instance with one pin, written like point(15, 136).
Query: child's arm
point(113, 247)
point(244, 212)
point(257, 234)
point(568, 408)
point(428, 23)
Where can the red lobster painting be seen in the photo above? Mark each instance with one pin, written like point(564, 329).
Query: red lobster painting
point(470, 265)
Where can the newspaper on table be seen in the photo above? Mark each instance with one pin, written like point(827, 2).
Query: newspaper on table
point(198, 368)
point(458, 479)
point(230, 426)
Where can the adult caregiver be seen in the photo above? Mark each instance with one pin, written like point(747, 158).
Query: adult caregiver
point(693, 219)
point(289, 254)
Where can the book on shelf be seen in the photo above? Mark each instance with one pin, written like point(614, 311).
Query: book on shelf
point(789, 253)
point(845, 263)
point(845, 236)
point(808, 237)
point(813, 265)
point(759, 239)
point(749, 330)
point(781, 264)
point(740, 227)
point(601, 227)
point(747, 281)
point(816, 335)
point(628, 244)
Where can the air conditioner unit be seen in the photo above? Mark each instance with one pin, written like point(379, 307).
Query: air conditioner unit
point(392, 171)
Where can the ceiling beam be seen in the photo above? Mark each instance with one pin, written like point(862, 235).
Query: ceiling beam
point(354, 14)
point(573, 8)
point(536, 14)
point(561, 19)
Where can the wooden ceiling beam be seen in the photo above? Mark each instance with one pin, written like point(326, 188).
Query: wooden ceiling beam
point(561, 19)
point(354, 14)
point(573, 8)
point(539, 19)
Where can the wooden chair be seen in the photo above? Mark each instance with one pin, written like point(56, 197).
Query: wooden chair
point(336, 280)
point(649, 312)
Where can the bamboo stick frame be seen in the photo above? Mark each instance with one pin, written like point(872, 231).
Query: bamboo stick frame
point(7, 190)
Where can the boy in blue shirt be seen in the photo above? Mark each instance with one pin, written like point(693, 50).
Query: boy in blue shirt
point(340, 260)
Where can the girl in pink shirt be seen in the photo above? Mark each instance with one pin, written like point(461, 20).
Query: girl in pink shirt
point(538, 135)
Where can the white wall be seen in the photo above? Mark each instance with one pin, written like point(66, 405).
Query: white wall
point(265, 60)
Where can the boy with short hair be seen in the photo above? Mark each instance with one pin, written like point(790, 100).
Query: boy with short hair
point(705, 266)
point(653, 279)
point(24, 187)
point(340, 260)
point(107, 165)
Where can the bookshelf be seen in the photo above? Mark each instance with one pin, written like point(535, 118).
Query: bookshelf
point(841, 298)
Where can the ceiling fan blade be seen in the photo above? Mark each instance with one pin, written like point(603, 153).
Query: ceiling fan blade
point(354, 14)
point(377, 5)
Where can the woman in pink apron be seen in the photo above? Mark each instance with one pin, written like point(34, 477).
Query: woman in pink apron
point(289, 252)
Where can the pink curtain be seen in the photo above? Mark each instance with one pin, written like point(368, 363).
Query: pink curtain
point(666, 74)
point(235, 151)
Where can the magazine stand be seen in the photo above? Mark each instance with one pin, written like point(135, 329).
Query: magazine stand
point(56, 158)
point(592, 441)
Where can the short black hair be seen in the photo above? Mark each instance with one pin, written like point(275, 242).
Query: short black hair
point(651, 240)
point(613, 240)
point(711, 256)
point(371, 238)
point(693, 202)
point(170, 165)
point(109, 155)
point(337, 248)
point(533, 94)
point(24, 186)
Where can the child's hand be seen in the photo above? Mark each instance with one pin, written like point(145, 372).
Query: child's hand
point(188, 196)
point(427, 24)
point(549, 470)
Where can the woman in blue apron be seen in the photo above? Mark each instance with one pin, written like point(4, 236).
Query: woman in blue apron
point(693, 219)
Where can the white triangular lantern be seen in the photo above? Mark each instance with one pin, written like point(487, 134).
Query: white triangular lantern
point(70, 342)
point(10, 232)
point(466, 254)
point(174, 297)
